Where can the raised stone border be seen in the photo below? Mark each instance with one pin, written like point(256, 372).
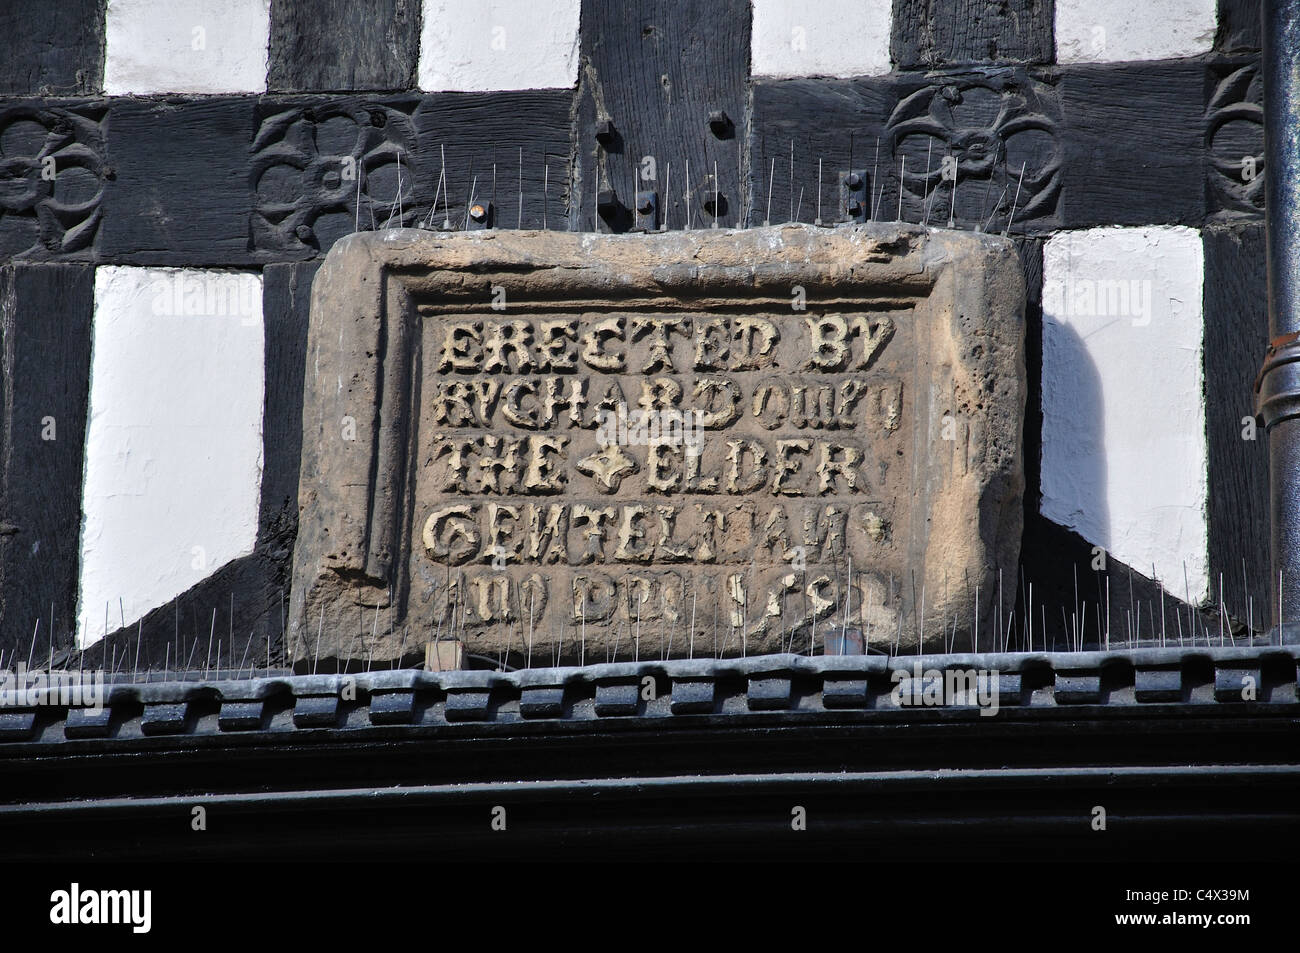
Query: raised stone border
point(953, 509)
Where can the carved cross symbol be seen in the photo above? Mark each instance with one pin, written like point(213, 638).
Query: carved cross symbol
point(608, 466)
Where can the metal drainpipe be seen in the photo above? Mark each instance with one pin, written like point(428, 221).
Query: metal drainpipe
point(1278, 384)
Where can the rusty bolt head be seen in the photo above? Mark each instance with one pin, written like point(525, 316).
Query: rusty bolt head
point(477, 212)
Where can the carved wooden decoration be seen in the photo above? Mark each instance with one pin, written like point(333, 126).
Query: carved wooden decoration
point(967, 140)
point(1234, 140)
point(307, 162)
point(719, 440)
point(52, 170)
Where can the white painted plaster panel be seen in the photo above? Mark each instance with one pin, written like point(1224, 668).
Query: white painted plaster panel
point(1124, 449)
point(480, 45)
point(174, 439)
point(1116, 31)
point(186, 46)
point(833, 38)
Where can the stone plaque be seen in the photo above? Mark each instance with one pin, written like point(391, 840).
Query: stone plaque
point(726, 441)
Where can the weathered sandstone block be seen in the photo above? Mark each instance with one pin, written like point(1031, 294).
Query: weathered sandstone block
point(682, 437)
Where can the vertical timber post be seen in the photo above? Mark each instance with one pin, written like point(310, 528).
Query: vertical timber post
point(1278, 384)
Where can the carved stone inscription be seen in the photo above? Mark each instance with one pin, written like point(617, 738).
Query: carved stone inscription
point(646, 455)
point(724, 441)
